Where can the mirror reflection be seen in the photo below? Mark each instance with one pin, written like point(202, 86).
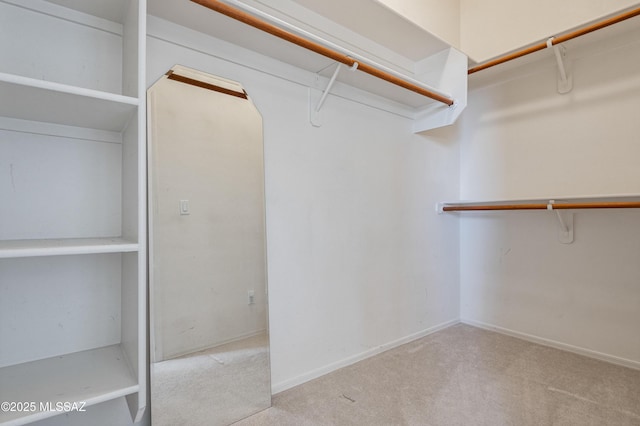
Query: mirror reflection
point(208, 290)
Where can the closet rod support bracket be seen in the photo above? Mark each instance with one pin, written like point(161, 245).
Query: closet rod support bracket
point(565, 224)
point(315, 112)
point(565, 79)
point(329, 86)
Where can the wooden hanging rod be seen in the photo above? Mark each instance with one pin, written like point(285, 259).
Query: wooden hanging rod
point(251, 20)
point(193, 82)
point(545, 206)
point(556, 40)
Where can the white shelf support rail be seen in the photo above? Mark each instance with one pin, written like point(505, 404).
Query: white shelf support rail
point(565, 79)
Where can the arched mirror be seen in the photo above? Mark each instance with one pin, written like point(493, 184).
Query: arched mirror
point(208, 288)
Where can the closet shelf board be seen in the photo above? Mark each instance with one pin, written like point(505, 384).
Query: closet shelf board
point(38, 100)
point(68, 246)
point(89, 377)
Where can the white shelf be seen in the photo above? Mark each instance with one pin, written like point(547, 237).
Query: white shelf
point(402, 54)
point(38, 100)
point(74, 72)
point(92, 377)
point(62, 247)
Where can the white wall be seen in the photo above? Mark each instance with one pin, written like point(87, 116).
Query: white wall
point(441, 18)
point(524, 140)
point(520, 139)
point(491, 28)
point(356, 257)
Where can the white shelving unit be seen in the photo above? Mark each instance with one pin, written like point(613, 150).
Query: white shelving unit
point(73, 211)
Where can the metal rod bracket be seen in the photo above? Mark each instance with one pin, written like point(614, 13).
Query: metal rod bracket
point(565, 79)
point(329, 86)
point(314, 112)
point(565, 222)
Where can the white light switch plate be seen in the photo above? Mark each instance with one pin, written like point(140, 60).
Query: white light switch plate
point(184, 207)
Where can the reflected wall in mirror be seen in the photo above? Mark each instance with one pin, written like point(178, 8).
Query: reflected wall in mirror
point(208, 302)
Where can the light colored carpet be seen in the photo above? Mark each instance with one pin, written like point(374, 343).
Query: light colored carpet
point(213, 387)
point(464, 376)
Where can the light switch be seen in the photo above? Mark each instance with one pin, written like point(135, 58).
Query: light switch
point(184, 207)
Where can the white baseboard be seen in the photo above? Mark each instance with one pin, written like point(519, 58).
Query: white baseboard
point(314, 374)
point(555, 344)
point(191, 351)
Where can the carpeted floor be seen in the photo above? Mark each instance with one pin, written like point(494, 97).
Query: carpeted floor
point(464, 376)
point(212, 387)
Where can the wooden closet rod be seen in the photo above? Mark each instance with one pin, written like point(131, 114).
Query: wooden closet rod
point(556, 40)
point(540, 206)
point(248, 19)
